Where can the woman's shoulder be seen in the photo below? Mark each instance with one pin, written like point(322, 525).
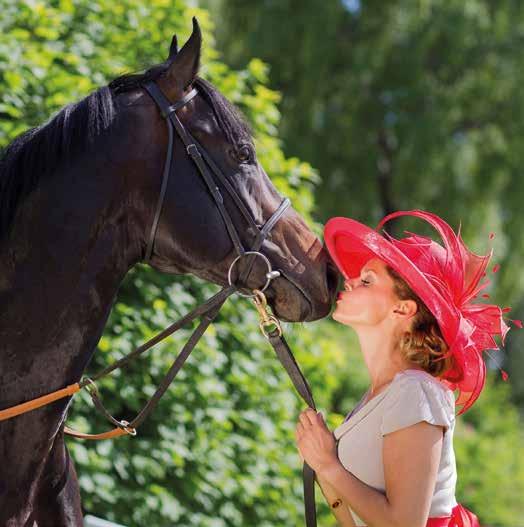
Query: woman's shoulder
point(419, 379)
point(416, 395)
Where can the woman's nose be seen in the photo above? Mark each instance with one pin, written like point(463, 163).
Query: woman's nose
point(349, 285)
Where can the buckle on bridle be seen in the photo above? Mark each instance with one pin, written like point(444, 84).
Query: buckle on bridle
point(124, 425)
point(192, 150)
point(90, 387)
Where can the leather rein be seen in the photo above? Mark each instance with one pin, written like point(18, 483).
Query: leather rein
point(207, 311)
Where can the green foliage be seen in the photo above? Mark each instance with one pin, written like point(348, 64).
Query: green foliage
point(403, 105)
point(489, 459)
point(219, 449)
point(53, 53)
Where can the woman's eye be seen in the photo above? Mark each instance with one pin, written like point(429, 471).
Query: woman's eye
point(365, 282)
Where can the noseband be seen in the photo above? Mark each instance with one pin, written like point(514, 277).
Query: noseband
point(207, 311)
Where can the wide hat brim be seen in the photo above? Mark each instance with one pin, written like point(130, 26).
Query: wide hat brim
point(351, 244)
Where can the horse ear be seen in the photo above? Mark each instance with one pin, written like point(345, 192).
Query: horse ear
point(173, 49)
point(185, 64)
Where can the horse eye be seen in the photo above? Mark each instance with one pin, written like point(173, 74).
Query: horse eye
point(245, 154)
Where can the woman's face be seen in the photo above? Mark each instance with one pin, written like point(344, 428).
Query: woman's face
point(368, 299)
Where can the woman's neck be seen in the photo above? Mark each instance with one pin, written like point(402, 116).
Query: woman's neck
point(382, 358)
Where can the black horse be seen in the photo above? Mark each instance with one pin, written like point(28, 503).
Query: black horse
point(77, 199)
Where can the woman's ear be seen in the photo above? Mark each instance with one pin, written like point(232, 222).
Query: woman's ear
point(405, 308)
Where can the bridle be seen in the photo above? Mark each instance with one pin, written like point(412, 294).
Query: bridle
point(204, 163)
point(207, 311)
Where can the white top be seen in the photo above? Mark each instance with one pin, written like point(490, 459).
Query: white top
point(411, 397)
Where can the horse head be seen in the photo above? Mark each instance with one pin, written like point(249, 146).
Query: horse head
point(192, 236)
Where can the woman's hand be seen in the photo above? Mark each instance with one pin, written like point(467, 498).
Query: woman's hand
point(316, 444)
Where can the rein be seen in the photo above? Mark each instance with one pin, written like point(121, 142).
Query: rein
point(207, 312)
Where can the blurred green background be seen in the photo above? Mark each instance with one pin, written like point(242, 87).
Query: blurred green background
point(359, 109)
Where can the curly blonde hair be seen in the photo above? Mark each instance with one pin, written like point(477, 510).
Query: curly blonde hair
point(424, 344)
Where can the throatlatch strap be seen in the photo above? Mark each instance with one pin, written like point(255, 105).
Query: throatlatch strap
point(160, 201)
point(166, 108)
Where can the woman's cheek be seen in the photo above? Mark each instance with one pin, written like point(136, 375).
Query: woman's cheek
point(362, 307)
point(377, 309)
point(351, 310)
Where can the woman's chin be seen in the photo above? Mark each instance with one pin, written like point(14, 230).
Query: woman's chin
point(339, 317)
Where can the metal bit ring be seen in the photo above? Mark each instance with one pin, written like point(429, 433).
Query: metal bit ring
point(270, 275)
point(124, 425)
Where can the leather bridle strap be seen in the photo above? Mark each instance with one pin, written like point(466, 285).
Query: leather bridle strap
point(261, 232)
point(172, 120)
point(285, 355)
point(160, 201)
point(131, 427)
point(210, 304)
point(165, 111)
point(261, 236)
point(202, 161)
point(208, 311)
point(179, 362)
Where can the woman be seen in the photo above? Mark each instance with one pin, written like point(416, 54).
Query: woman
point(391, 463)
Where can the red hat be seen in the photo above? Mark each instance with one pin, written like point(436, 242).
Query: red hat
point(445, 278)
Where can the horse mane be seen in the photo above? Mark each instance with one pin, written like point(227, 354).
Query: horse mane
point(39, 151)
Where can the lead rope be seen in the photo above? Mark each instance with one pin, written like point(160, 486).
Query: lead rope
point(271, 329)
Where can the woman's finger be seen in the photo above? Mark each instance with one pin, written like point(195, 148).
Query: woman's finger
point(308, 417)
point(299, 431)
point(305, 420)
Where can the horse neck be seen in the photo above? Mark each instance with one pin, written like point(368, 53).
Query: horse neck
point(59, 273)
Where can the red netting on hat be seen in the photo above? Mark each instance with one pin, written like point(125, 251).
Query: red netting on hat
point(456, 273)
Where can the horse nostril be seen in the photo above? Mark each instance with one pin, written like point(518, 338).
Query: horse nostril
point(332, 277)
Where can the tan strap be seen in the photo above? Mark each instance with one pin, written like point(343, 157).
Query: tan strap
point(60, 394)
point(38, 402)
point(115, 432)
